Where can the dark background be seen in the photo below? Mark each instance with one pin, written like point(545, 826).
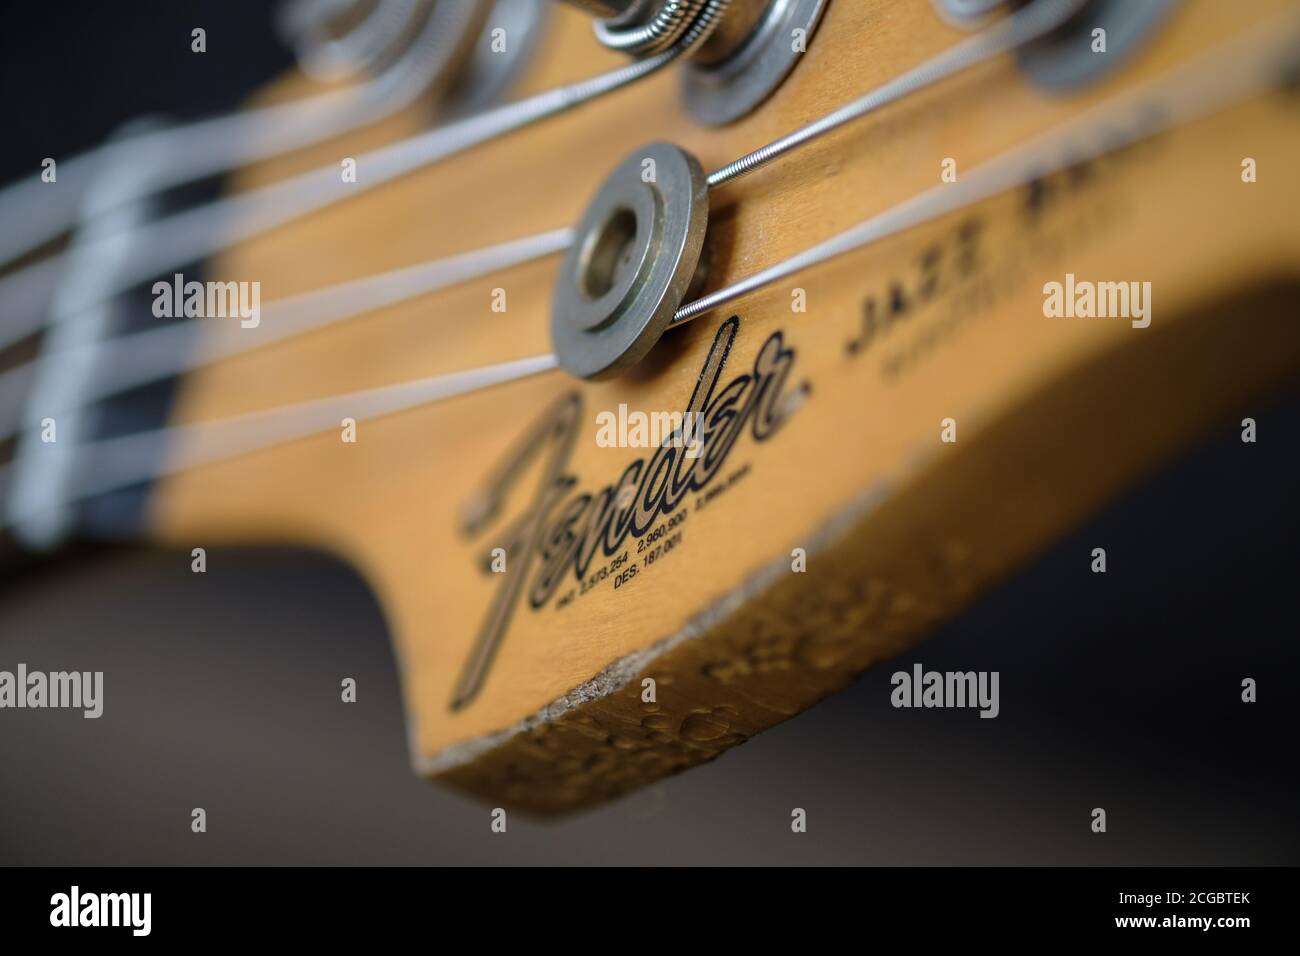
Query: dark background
point(1120, 691)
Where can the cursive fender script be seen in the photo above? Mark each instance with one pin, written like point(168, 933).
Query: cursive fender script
point(561, 531)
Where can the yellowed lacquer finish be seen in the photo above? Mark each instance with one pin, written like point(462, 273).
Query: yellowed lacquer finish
point(900, 528)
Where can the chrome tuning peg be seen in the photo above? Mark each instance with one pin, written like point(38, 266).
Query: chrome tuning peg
point(746, 48)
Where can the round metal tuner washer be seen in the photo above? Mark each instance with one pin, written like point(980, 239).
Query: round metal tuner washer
point(634, 256)
point(722, 92)
point(1066, 58)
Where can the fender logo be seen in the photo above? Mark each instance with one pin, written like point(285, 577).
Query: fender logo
point(560, 531)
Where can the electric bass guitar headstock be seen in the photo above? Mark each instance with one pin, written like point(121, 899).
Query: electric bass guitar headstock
point(632, 508)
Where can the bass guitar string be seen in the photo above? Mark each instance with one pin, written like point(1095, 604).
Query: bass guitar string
point(1016, 30)
point(34, 214)
point(1250, 65)
point(151, 355)
point(194, 234)
point(1022, 27)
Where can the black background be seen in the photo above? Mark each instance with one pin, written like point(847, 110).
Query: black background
point(1120, 691)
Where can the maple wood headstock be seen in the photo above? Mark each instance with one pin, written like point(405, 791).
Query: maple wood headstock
point(888, 432)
